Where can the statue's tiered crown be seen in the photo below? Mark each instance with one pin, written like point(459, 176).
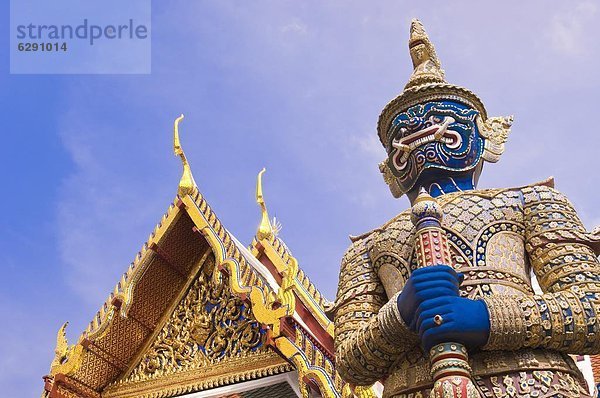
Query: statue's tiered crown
point(428, 84)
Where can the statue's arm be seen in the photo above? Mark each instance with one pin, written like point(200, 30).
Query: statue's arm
point(369, 332)
point(565, 317)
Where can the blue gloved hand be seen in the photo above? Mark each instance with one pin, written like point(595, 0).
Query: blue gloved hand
point(424, 284)
point(464, 321)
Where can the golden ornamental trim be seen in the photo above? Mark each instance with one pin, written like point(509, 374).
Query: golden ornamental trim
point(262, 297)
point(283, 260)
point(269, 364)
point(267, 306)
point(301, 285)
point(307, 370)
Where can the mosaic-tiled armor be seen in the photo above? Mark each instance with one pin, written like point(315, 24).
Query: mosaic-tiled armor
point(498, 238)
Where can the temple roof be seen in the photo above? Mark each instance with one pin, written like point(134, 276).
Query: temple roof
point(159, 333)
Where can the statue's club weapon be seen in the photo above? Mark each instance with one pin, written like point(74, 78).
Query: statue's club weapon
point(449, 361)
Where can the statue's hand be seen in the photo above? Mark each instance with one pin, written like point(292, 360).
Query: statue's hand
point(463, 321)
point(424, 284)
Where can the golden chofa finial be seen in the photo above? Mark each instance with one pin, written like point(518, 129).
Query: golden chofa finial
point(426, 64)
point(62, 346)
point(187, 185)
point(265, 229)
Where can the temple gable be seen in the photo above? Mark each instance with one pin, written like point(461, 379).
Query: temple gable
point(210, 336)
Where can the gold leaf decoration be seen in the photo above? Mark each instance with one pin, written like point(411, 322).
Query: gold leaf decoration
point(208, 326)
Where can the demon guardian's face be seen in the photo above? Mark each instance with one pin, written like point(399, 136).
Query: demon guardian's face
point(435, 136)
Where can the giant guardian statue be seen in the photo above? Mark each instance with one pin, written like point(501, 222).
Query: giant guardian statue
point(439, 300)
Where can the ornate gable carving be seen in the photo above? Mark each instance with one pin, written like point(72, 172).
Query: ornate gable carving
point(208, 326)
point(210, 338)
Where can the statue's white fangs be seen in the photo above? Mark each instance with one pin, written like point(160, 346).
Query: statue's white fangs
point(435, 132)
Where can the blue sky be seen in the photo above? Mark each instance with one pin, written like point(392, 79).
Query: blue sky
point(295, 87)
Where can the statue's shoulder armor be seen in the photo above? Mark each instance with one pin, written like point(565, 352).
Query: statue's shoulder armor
point(390, 246)
point(542, 195)
point(546, 185)
point(356, 258)
point(362, 239)
point(368, 247)
point(535, 194)
point(400, 221)
point(553, 218)
point(360, 246)
point(357, 277)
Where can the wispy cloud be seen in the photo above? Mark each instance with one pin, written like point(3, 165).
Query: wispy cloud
point(367, 144)
point(103, 214)
point(295, 26)
point(570, 29)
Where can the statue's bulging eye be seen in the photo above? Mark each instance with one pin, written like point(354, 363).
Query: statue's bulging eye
point(415, 123)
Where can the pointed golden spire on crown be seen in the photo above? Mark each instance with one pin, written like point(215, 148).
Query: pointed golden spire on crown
point(428, 84)
point(265, 229)
point(426, 64)
point(187, 185)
